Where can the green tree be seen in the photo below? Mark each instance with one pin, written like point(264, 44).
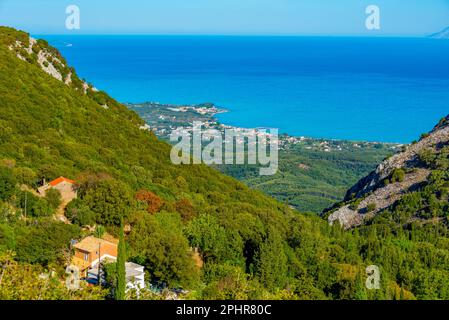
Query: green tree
point(158, 243)
point(7, 183)
point(121, 269)
point(53, 198)
point(360, 288)
point(110, 275)
point(25, 175)
point(99, 231)
point(111, 200)
point(226, 282)
point(33, 206)
point(214, 241)
point(45, 243)
point(79, 213)
point(271, 262)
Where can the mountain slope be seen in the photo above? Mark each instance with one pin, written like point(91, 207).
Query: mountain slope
point(50, 127)
point(252, 246)
point(398, 176)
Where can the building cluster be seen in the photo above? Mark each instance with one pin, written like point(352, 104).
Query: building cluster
point(92, 253)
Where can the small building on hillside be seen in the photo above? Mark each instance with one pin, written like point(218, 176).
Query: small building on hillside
point(135, 275)
point(91, 251)
point(65, 186)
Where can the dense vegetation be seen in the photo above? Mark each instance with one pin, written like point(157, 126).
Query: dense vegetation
point(313, 173)
point(310, 179)
point(429, 202)
point(251, 245)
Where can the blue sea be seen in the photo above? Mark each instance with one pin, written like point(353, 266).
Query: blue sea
point(374, 89)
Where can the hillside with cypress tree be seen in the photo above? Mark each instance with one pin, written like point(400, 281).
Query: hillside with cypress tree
point(250, 246)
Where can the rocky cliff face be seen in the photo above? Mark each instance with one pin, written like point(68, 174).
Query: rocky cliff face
point(48, 59)
point(393, 178)
point(39, 53)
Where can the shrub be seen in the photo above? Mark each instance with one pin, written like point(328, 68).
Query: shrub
point(49, 240)
point(7, 183)
point(158, 243)
point(428, 158)
point(371, 207)
point(25, 175)
point(79, 213)
point(7, 214)
point(111, 200)
point(152, 201)
point(110, 274)
point(99, 231)
point(185, 208)
point(53, 198)
point(33, 206)
point(397, 175)
point(41, 209)
point(355, 205)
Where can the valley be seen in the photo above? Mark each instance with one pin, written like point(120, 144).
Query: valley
point(313, 173)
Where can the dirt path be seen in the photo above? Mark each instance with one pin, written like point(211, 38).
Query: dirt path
point(59, 214)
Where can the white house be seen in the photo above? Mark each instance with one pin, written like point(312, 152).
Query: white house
point(135, 275)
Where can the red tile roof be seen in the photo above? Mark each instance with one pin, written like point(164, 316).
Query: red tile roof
point(60, 180)
point(90, 244)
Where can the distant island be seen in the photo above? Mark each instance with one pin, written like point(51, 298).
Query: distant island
point(441, 35)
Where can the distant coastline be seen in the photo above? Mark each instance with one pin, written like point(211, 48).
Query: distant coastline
point(161, 119)
point(311, 86)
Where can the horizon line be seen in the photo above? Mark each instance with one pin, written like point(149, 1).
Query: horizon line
point(238, 35)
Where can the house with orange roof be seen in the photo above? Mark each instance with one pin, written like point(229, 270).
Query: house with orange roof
point(90, 251)
point(65, 186)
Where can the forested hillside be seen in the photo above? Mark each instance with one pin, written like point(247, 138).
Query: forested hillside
point(311, 179)
point(313, 173)
point(251, 245)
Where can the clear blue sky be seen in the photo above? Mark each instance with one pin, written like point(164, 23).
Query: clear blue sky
point(273, 17)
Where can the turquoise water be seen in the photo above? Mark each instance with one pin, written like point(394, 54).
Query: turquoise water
point(376, 89)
